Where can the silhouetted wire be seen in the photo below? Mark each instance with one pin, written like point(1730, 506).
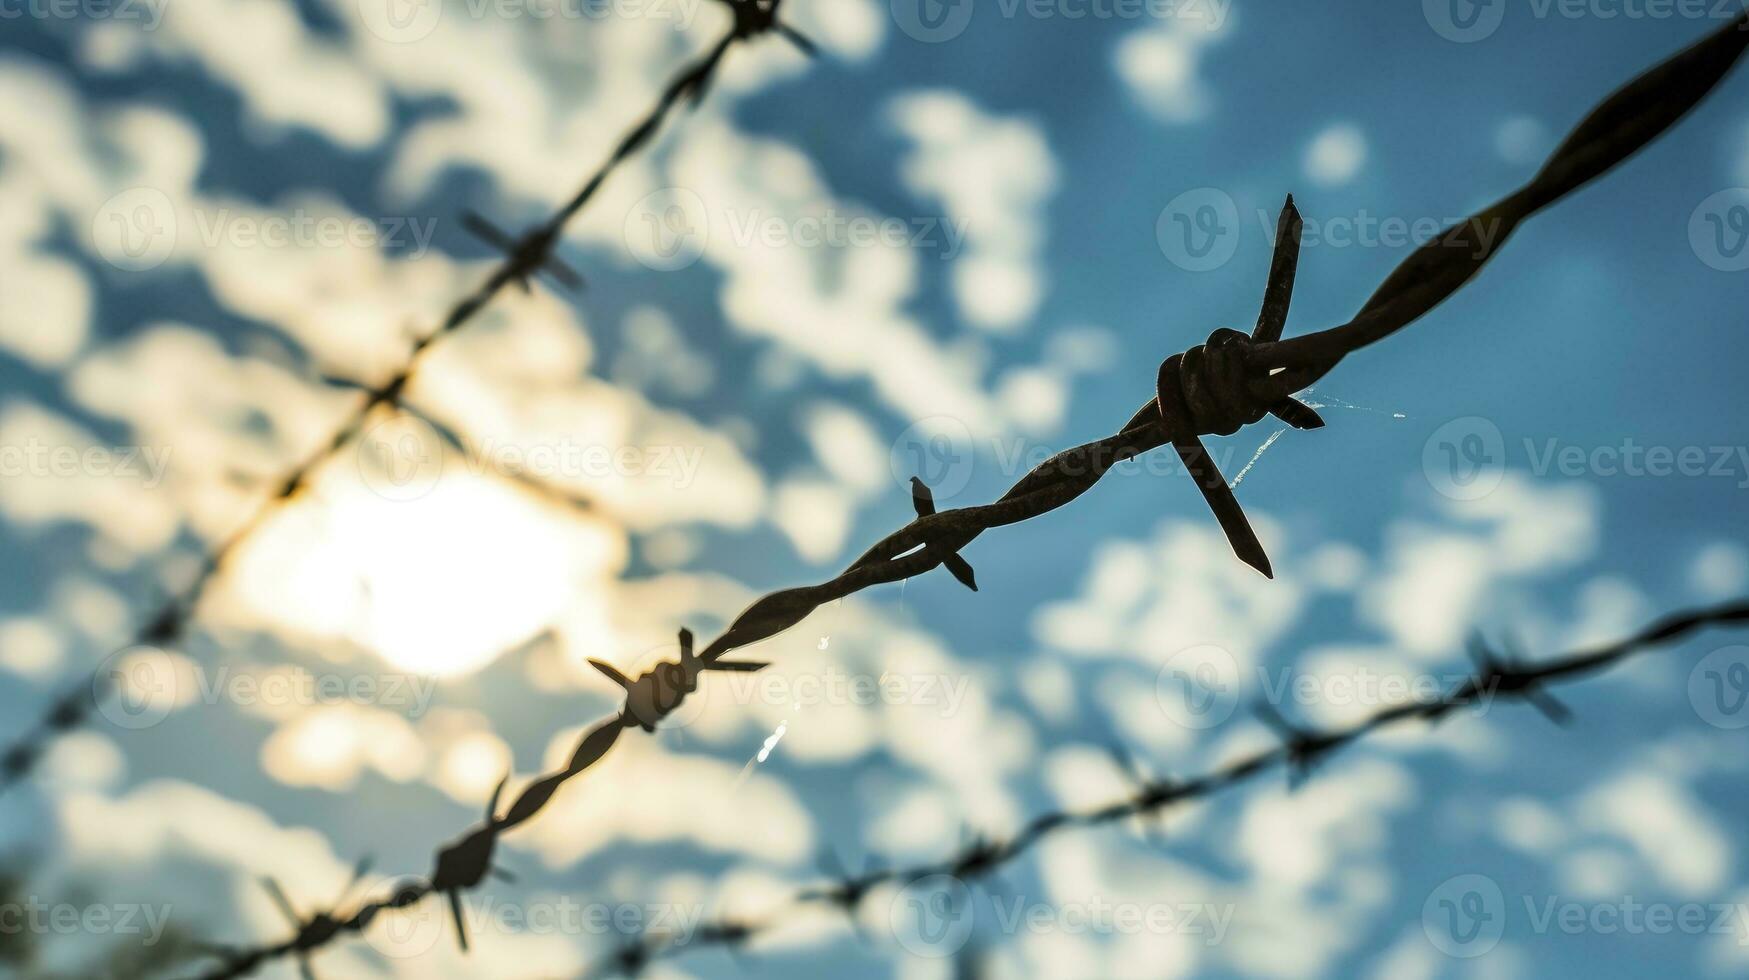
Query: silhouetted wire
point(1300, 750)
point(1206, 390)
point(525, 256)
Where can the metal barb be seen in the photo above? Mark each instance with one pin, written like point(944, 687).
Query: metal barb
point(527, 255)
point(924, 503)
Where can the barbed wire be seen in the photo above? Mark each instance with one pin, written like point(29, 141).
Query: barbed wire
point(1213, 388)
point(1300, 750)
point(525, 256)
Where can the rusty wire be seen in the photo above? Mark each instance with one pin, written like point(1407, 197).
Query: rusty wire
point(1211, 389)
point(526, 255)
point(1299, 751)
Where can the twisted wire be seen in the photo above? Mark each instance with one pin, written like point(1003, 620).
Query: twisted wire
point(1299, 751)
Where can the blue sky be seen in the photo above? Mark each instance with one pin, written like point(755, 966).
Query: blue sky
point(954, 247)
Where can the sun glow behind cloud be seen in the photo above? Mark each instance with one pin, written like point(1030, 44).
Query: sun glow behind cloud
point(441, 585)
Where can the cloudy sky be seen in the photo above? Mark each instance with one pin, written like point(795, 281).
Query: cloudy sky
point(961, 239)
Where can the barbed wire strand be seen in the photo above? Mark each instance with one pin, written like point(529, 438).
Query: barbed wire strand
point(1300, 751)
point(525, 257)
point(1209, 389)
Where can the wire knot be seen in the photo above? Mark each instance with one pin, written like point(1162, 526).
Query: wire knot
point(464, 864)
point(1207, 390)
point(755, 17)
point(657, 692)
point(524, 255)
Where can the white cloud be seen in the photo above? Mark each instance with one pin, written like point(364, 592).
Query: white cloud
point(1678, 841)
point(1522, 140)
point(331, 746)
point(31, 646)
point(993, 176)
point(1434, 583)
point(699, 800)
point(66, 160)
point(839, 309)
point(1720, 571)
point(849, 447)
point(1161, 64)
point(45, 310)
point(1536, 527)
point(286, 74)
point(564, 89)
point(1148, 600)
point(655, 356)
point(61, 473)
point(1036, 398)
point(815, 516)
point(1335, 155)
point(1430, 590)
